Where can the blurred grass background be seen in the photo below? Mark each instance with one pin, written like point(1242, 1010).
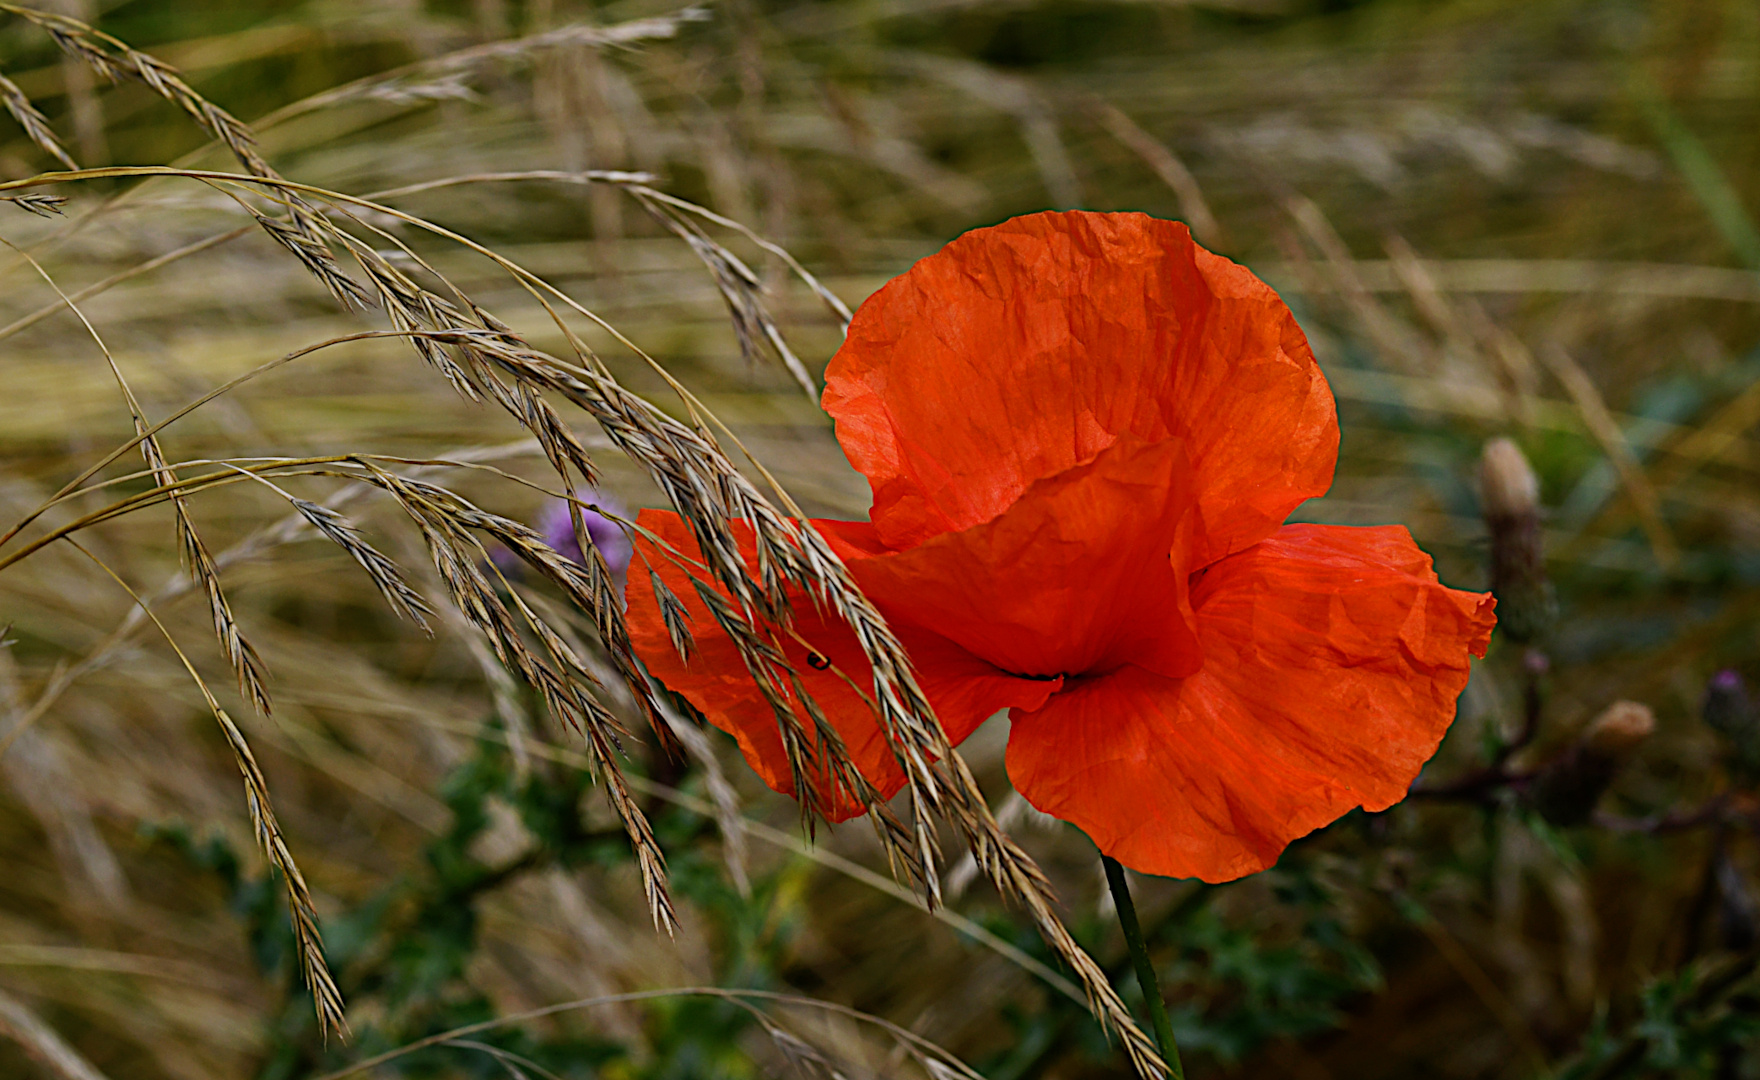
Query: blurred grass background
point(1493, 218)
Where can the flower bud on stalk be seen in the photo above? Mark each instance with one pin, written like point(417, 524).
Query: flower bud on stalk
point(1731, 713)
point(1568, 787)
point(1510, 496)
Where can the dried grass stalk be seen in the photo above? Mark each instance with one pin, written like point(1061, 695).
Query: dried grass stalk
point(740, 288)
point(304, 241)
point(674, 614)
point(387, 578)
point(325, 996)
point(39, 204)
point(255, 546)
point(449, 76)
point(246, 663)
point(445, 521)
point(35, 124)
point(43, 1043)
point(688, 465)
point(116, 61)
point(721, 793)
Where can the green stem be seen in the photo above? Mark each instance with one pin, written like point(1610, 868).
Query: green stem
point(1133, 936)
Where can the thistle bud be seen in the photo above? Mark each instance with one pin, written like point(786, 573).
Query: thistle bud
point(1507, 482)
point(1568, 787)
point(1731, 713)
point(1620, 729)
point(1510, 497)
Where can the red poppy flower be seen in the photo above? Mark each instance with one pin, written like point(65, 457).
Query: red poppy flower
point(1084, 434)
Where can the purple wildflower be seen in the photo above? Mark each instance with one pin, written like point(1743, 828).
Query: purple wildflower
point(1727, 707)
point(613, 543)
point(1729, 710)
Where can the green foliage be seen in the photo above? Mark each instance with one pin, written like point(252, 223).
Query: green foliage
point(1698, 1023)
point(1233, 982)
point(1240, 983)
point(403, 955)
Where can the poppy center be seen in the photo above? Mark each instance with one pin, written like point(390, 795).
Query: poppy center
point(1077, 577)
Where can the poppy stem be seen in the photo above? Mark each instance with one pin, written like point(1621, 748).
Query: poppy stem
point(1133, 936)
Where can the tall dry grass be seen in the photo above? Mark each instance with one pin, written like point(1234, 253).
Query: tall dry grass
point(1492, 219)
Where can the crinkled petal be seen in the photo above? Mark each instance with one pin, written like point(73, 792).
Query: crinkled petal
point(1074, 577)
point(1021, 350)
point(1333, 660)
point(964, 690)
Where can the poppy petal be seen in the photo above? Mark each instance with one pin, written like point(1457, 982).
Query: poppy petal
point(1023, 349)
point(1333, 659)
point(1073, 577)
point(964, 690)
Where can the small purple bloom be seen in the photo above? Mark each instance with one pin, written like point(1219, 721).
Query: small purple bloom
point(1728, 709)
point(557, 525)
point(1727, 681)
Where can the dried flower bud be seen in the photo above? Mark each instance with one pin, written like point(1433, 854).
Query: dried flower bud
point(1568, 787)
point(1507, 482)
point(1510, 497)
point(1730, 712)
point(1620, 729)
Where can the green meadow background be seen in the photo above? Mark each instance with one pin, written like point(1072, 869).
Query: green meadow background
point(1532, 219)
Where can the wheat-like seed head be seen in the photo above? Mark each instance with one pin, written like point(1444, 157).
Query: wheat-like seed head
point(39, 204)
point(325, 995)
point(675, 615)
point(386, 577)
point(35, 124)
